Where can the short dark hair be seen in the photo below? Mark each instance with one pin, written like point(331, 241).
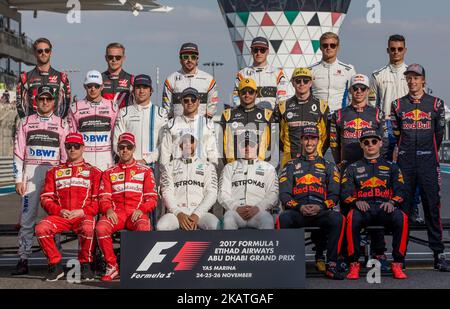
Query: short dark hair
point(115, 45)
point(397, 38)
point(42, 40)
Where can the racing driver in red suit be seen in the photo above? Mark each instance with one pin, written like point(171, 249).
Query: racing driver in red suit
point(127, 194)
point(70, 199)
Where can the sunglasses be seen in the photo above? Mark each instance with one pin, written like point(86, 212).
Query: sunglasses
point(122, 147)
point(114, 57)
point(394, 49)
point(96, 86)
point(326, 45)
point(372, 141)
point(259, 50)
point(43, 50)
point(69, 146)
point(362, 88)
point(302, 80)
point(249, 91)
point(189, 56)
point(189, 100)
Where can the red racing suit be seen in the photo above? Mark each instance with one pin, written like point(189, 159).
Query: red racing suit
point(27, 87)
point(69, 186)
point(117, 88)
point(124, 188)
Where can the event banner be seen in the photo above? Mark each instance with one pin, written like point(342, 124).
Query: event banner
point(251, 259)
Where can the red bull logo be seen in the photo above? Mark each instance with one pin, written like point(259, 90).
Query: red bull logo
point(358, 124)
point(417, 115)
point(309, 179)
point(372, 183)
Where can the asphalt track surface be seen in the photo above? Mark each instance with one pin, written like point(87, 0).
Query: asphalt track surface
point(419, 266)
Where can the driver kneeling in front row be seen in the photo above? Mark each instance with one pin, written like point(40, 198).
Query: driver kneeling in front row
point(309, 189)
point(189, 190)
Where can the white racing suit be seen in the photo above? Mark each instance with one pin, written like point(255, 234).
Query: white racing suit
point(178, 81)
point(331, 82)
point(387, 85)
point(188, 186)
point(248, 182)
point(272, 85)
point(201, 127)
point(39, 145)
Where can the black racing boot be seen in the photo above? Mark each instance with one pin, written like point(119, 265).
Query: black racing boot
point(21, 268)
point(55, 272)
point(440, 263)
point(332, 272)
point(86, 272)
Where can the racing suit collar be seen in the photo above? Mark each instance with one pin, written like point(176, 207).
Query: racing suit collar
point(329, 65)
point(305, 101)
point(44, 72)
point(44, 118)
point(359, 109)
point(70, 164)
point(189, 160)
point(395, 69)
point(372, 161)
point(247, 110)
point(114, 76)
point(189, 74)
point(188, 119)
point(125, 166)
point(260, 68)
point(308, 158)
point(249, 161)
point(140, 107)
point(416, 99)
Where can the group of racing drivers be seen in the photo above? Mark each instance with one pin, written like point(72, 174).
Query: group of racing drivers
point(115, 160)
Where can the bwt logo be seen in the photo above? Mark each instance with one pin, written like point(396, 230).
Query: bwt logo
point(187, 257)
point(42, 152)
point(95, 138)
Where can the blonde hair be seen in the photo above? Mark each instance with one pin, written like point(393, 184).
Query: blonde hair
point(329, 35)
point(115, 45)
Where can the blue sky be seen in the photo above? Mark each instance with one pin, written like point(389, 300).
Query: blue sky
point(153, 39)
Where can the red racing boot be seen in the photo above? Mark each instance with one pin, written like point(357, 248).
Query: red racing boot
point(397, 271)
point(353, 274)
point(111, 273)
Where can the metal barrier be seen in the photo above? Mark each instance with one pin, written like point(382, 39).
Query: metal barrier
point(6, 171)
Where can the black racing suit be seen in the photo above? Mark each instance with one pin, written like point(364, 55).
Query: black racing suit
point(347, 125)
point(118, 87)
point(292, 115)
point(236, 121)
point(312, 181)
point(419, 126)
point(374, 181)
point(28, 85)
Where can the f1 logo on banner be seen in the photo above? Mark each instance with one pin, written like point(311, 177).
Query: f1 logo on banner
point(213, 259)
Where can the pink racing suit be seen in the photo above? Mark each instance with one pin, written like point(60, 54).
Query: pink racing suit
point(39, 145)
point(95, 121)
